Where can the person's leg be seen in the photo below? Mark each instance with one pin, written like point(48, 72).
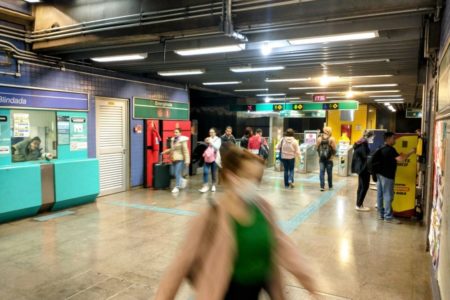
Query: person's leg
point(322, 174)
point(238, 291)
point(365, 185)
point(291, 170)
point(388, 196)
point(178, 168)
point(213, 173)
point(380, 196)
point(286, 172)
point(359, 191)
point(206, 167)
point(330, 173)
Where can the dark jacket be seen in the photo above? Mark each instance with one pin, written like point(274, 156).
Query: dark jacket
point(360, 153)
point(244, 142)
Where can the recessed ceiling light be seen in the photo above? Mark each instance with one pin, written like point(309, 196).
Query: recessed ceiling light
point(125, 57)
point(384, 96)
point(182, 72)
point(308, 88)
point(266, 48)
point(269, 95)
point(381, 91)
point(287, 79)
point(355, 61)
point(335, 38)
point(267, 99)
point(252, 90)
point(375, 85)
point(255, 69)
point(222, 82)
point(211, 50)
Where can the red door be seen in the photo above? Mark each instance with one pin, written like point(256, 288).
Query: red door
point(169, 127)
point(347, 129)
point(152, 149)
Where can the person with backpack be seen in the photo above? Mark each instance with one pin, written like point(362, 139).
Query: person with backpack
point(257, 144)
point(289, 150)
point(326, 148)
point(383, 163)
point(212, 160)
point(179, 152)
point(247, 135)
point(234, 249)
point(361, 152)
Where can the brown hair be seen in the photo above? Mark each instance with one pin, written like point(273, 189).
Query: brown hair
point(234, 157)
point(289, 132)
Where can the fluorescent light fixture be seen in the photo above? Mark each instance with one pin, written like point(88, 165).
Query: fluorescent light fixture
point(222, 82)
point(381, 91)
point(252, 90)
point(308, 88)
point(266, 49)
point(286, 98)
point(255, 69)
point(355, 61)
point(33, 1)
point(211, 50)
point(287, 79)
point(335, 38)
point(384, 96)
point(325, 93)
point(375, 85)
point(124, 57)
point(349, 94)
point(370, 76)
point(270, 95)
point(387, 104)
point(326, 80)
point(390, 100)
point(182, 72)
point(267, 99)
point(337, 97)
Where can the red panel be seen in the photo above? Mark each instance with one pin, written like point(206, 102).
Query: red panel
point(152, 149)
point(169, 127)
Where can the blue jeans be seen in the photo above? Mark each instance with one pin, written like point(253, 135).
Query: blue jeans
point(289, 166)
point(206, 168)
point(326, 166)
point(385, 196)
point(178, 167)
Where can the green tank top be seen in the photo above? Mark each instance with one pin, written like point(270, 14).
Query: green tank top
point(255, 242)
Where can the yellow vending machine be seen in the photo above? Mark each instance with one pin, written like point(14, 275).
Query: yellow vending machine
point(405, 179)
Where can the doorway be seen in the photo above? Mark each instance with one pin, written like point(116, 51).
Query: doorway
point(112, 144)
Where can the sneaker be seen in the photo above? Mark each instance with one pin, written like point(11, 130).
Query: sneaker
point(175, 190)
point(393, 221)
point(362, 208)
point(183, 183)
point(381, 218)
point(204, 189)
point(291, 185)
point(331, 187)
point(213, 188)
point(322, 189)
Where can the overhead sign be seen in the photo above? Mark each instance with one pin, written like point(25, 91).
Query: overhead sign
point(161, 110)
point(330, 106)
point(297, 106)
point(3, 118)
point(278, 107)
point(19, 97)
point(319, 98)
point(250, 107)
point(413, 113)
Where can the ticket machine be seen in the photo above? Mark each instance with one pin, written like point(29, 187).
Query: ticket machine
point(345, 153)
point(308, 154)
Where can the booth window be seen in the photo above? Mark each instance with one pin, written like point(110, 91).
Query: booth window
point(33, 135)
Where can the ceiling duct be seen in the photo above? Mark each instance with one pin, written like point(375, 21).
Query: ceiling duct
point(227, 22)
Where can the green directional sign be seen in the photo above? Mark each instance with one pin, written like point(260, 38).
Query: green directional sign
point(306, 106)
point(413, 113)
point(161, 110)
point(297, 106)
point(278, 107)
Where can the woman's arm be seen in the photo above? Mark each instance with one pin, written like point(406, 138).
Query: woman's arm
point(216, 143)
point(186, 156)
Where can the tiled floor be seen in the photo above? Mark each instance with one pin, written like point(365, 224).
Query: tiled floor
point(118, 247)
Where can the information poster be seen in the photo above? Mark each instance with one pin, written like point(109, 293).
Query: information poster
point(311, 137)
point(405, 179)
point(63, 130)
point(21, 125)
point(4, 135)
point(78, 134)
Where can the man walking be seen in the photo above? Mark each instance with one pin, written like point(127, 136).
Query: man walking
point(361, 152)
point(387, 167)
point(326, 148)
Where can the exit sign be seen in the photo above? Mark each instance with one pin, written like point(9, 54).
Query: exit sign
point(319, 98)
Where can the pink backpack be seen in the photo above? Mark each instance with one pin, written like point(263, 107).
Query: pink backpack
point(209, 155)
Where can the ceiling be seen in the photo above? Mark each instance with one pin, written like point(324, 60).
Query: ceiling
point(85, 29)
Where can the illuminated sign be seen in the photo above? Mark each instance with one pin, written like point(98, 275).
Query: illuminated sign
point(278, 107)
point(297, 106)
point(319, 98)
point(330, 106)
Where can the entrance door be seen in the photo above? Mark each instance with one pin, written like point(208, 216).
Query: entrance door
point(112, 144)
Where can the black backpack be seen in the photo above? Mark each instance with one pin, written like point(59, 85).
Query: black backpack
point(325, 150)
point(374, 161)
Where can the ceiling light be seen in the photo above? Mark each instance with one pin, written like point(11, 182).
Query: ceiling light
point(356, 61)
point(251, 90)
point(181, 72)
point(211, 50)
point(256, 69)
point(33, 1)
point(308, 88)
point(288, 79)
point(387, 104)
point(269, 95)
point(222, 82)
point(384, 96)
point(390, 100)
point(125, 57)
point(286, 98)
point(337, 97)
point(266, 49)
point(369, 76)
point(375, 85)
point(349, 94)
point(325, 80)
point(381, 91)
point(324, 93)
point(335, 38)
point(267, 99)
point(393, 110)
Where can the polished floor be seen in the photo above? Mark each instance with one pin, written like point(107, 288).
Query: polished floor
point(118, 247)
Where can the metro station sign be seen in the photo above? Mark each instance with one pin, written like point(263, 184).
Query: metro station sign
point(161, 110)
point(319, 98)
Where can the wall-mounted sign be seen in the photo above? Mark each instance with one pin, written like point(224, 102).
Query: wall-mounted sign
point(21, 123)
point(63, 130)
point(162, 110)
point(3, 118)
point(330, 106)
point(413, 113)
point(78, 134)
point(319, 98)
point(297, 106)
point(19, 97)
point(278, 107)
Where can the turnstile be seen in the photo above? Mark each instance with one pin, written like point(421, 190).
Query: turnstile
point(309, 161)
point(345, 154)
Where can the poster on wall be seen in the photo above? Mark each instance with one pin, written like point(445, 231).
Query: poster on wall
point(63, 130)
point(78, 134)
point(438, 192)
point(21, 125)
point(4, 135)
point(444, 78)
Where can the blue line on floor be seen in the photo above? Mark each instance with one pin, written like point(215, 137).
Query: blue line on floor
point(54, 216)
point(172, 211)
point(293, 223)
point(312, 179)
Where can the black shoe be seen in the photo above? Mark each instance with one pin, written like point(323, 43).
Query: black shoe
point(322, 189)
point(381, 218)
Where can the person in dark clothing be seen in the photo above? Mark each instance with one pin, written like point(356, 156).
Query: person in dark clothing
point(386, 176)
point(228, 136)
point(359, 166)
point(244, 140)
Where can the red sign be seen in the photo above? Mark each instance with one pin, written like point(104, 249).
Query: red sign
point(319, 98)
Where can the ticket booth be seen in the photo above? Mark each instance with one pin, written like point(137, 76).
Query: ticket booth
point(44, 164)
